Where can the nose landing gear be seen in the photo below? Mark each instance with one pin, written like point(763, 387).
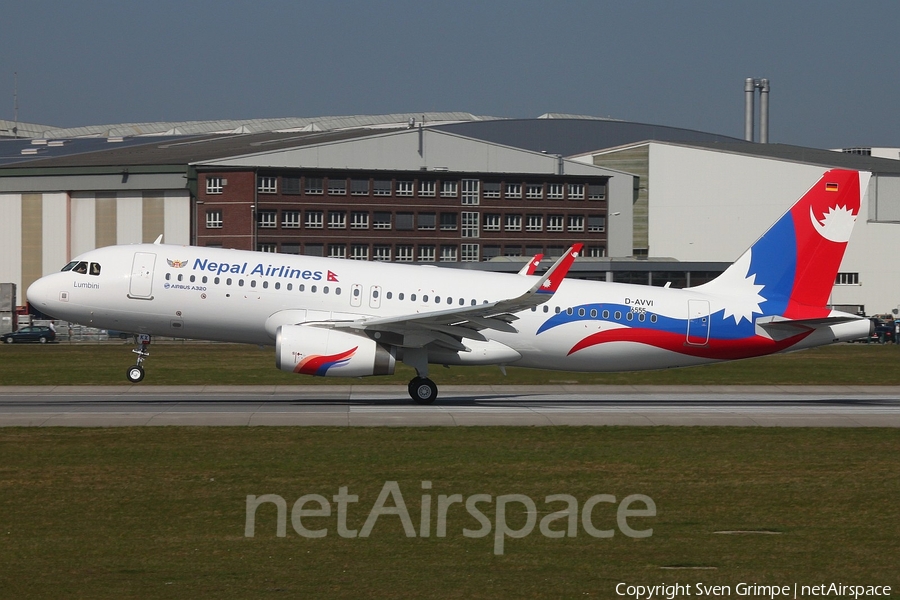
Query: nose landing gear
point(135, 373)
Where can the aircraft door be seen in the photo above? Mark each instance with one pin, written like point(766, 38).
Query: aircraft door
point(698, 322)
point(375, 296)
point(141, 286)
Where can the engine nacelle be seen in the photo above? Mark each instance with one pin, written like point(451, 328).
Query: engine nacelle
point(330, 353)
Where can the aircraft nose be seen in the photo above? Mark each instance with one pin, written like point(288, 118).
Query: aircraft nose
point(41, 293)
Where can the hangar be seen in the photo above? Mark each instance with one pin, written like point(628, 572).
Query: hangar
point(373, 188)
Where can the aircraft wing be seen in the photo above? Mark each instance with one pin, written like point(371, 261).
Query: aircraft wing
point(447, 327)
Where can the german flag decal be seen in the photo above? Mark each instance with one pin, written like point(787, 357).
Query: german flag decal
point(831, 187)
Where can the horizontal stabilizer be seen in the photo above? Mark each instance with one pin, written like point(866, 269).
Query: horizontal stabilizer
point(779, 328)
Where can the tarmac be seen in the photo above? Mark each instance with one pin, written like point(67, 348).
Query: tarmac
point(502, 405)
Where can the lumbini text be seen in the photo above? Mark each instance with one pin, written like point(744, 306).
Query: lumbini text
point(569, 513)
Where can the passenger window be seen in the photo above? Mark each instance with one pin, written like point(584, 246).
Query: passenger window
point(556, 310)
point(168, 276)
point(580, 312)
point(337, 292)
point(425, 298)
point(193, 278)
point(400, 296)
point(412, 297)
point(653, 318)
point(265, 285)
point(389, 295)
point(290, 286)
point(312, 289)
point(301, 288)
point(593, 313)
point(277, 285)
point(180, 277)
point(240, 281)
point(216, 281)
point(618, 315)
point(605, 314)
point(325, 289)
point(629, 316)
point(205, 279)
point(253, 283)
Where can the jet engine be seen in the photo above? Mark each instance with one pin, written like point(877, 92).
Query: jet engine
point(330, 353)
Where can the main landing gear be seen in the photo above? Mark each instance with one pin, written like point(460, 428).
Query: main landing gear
point(135, 373)
point(422, 390)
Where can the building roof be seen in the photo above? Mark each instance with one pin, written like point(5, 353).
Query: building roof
point(236, 126)
point(573, 136)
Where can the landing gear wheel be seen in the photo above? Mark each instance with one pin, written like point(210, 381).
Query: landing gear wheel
point(135, 373)
point(422, 390)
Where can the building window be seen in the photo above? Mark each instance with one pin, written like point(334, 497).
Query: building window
point(554, 222)
point(427, 189)
point(265, 248)
point(359, 187)
point(290, 248)
point(382, 253)
point(290, 185)
point(337, 219)
point(489, 252)
point(596, 224)
point(314, 185)
point(337, 187)
point(313, 250)
point(449, 221)
point(491, 222)
point(576, 191)
point(337, 251)
point(359, 251)
point(426, 253)
point(382, 188)
point(403, 222)
point(359, 220)
point(214, 185)
point(534, 191)
point(267, 219)
point(534, 223)
point(449, 253)
point(313, 219)
point(290, 219)
point(554, 191)
point(381, 220)
point(491, 190)
point(470, 224)
point(596, 192)
point(404, 253)
point(449, 189)
point(267, 185)
point(512, 251)
point(405, 188)
point(576, 223)
point(513, 190)
point(847, 279)
point(470, 195)
point(214, 219)
point(594, 252)
point(426, 221)
point(469, 252)
point(513, 223)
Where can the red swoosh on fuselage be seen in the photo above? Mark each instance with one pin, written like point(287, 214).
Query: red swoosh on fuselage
point(713, 349)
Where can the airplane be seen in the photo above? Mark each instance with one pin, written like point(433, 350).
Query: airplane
point(344, 318)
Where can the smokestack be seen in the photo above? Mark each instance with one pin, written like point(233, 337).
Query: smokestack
point(764, 111)
point(750, 87)
point(749, 91)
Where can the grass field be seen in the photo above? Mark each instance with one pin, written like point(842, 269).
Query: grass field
point(160, 512)
point(234, 364)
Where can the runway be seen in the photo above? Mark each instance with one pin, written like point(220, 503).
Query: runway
point(389, 405)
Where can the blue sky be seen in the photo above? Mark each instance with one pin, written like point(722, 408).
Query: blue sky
point(833, 66)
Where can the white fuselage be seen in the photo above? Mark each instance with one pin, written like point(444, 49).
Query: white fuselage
point(231, 295)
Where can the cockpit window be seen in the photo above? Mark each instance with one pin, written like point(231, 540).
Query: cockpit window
point(83, 267)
